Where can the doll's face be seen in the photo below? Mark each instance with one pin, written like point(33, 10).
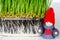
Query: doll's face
point(49, 24)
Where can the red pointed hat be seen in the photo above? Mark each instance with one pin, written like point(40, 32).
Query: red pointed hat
point(49, 16)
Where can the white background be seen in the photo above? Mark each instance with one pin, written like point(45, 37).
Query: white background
point(56, 5)
point(56, 0)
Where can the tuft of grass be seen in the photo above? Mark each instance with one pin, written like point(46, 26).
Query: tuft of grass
point(0, 7)
point(24, 8)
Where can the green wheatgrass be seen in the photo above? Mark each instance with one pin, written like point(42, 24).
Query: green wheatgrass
point(9, 3)
point(0, 7)
point(21, 7)
point(31, 6)
point(12, 7)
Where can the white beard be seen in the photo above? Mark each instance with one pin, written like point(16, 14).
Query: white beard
point(49, 24)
